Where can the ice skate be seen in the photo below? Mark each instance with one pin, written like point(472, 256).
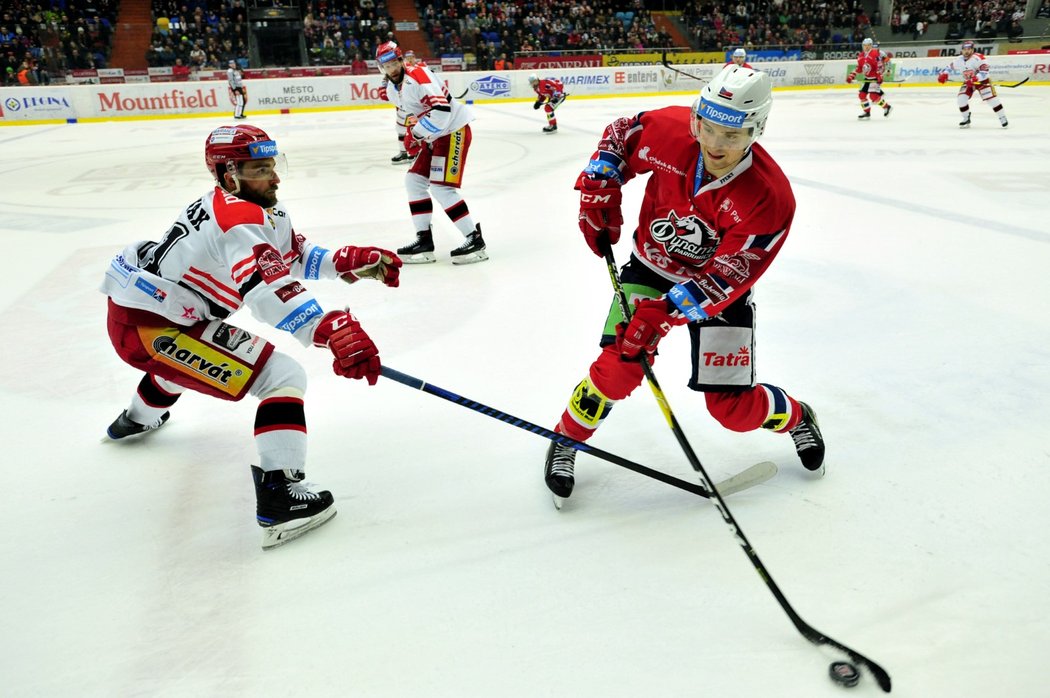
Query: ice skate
point(886, 111)
point(123, 428)
point(1003, 122)
point(965, 123)
point(558, 471)
point(286, 507)
point(550, 129)
point(473, 250)
point(865, 115)
point(400, 158)
point(809, 444)
point(421, 251)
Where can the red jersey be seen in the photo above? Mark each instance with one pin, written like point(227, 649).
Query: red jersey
point(551, 88)
point(717, 237)
point(869, 67)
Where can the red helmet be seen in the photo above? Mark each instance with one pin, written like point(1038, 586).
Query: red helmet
point(228, 145)
point(388, 51)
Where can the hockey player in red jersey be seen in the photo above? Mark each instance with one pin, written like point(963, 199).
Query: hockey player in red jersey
point(169, 304)
point(438, 138)
point(550, 93)
point(715, 213)
point(869, 70)
point(739, 58)
point(973, 67)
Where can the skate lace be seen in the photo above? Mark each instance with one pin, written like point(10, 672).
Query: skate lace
point(563, 461)
point(301, 491)
point(803, 436)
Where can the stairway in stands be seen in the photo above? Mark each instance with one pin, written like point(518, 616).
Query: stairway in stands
point(133, 31)
point(670, 23)
point(405, 11)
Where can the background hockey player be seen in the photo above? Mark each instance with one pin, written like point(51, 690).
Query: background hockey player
point(550, 93)
point(238, 94)
point(438, 137)
point(168, 307)
point(739, 58)
point(715, 213)
point(401, 122)
point(974, 70)
point(869, 70)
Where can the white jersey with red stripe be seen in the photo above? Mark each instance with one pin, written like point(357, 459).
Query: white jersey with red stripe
point(423, 96)
point(223, 253)
point(973, 69)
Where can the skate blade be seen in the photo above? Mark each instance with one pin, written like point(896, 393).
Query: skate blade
point(275, 536)
point(421, 258)
point(558, 501)
point(479, 256)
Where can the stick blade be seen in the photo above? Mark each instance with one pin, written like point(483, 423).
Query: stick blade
point(745, 479)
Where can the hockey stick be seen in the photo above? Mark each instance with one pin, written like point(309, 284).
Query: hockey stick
point(741, 481)
point(1002, 84)
point(805, 629)
point(667, 65)
point(461, 96)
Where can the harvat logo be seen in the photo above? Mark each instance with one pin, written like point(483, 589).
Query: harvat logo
point(491, 85)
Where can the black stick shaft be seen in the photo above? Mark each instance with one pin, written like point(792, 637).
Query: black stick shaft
point(804, 628)
point(554, 436)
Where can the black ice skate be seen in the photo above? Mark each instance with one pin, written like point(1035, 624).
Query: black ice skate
point(965, 123)
point(285, 506)
point(1004, 122)
point(419, 252)
point(865, 115)
point(809, 444)
point(887, 110)
point(550, 129)
point(473, 250)
point(558, 471)
point(122, 427)
point(400, 158)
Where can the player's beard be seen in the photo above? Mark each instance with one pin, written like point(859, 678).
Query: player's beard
point(266, 199)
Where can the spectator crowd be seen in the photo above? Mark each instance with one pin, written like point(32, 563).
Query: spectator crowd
point(41, 39)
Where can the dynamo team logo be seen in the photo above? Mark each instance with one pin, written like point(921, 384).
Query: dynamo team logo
point(492, 86)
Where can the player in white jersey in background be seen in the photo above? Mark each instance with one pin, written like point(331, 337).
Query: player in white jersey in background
point(438, 140)
point(237, 92)
point(233, 247)
point(974, 70)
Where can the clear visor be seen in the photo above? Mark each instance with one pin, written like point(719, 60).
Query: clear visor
point(390, 66)
point(260, 170)
point(717, 131)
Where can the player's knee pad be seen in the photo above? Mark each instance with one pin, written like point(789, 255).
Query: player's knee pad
point(613, 377)
point(418, 186)
point(282, 376)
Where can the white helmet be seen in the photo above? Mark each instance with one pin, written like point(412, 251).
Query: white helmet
point(738, 98)
point(740, 52)
point(867, 42)
point(533, 79)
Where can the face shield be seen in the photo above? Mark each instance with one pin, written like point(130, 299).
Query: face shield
point(265, 163)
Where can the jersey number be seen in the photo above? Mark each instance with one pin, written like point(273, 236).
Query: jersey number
point(156, 256)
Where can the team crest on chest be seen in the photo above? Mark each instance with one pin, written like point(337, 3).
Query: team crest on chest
point(684, 236)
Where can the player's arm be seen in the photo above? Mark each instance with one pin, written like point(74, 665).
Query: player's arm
point(436, 111)
point(349, 263)
point(599, 183)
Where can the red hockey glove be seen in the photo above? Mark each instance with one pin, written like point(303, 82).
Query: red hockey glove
point(599, 211)
point(652, 320)
point(878, 79)
point(382, 90)
point(355, 354)
point(970, 85)
point(942, 78)
point(849, 78)
point(538, 103)
point(413, 146)
point(355, 263)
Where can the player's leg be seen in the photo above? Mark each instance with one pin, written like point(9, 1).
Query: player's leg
point(865, 102)
point(963, 100)
point(448, 166)
point(417, 184)
point(724, 370)
point(552, 122)
point(990, 98)
point(401, 128)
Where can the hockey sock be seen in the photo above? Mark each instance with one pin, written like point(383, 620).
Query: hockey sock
point(419, 203)
point(587, 409)
point(765, 406)
point(455, 208)
point(153, 397)
point(280, 433)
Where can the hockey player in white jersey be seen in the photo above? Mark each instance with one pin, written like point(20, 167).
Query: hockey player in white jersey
point(973, 67)
point(237, 92)
point(438, 138)
point(170, 300)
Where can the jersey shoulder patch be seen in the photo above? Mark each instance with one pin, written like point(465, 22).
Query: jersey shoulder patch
point(419, 73)
point(231, 211)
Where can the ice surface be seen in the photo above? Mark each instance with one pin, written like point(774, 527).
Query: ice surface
point(908, 306)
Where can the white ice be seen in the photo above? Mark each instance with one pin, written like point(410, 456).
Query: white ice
point(908, 306)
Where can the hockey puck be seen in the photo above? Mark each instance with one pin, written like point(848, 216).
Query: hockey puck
point(844, 674)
